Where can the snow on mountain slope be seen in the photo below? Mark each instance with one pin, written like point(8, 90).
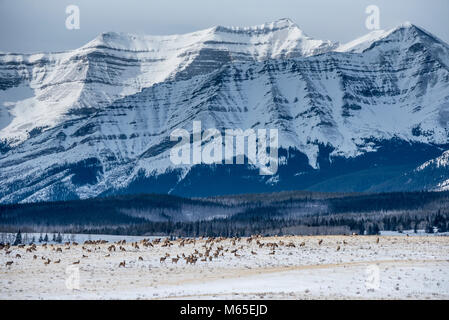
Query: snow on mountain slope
point(91, 121)
point(115, 65)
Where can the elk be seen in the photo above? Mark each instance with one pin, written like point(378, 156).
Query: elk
point(76, 262)
point(58, 261)
point(377, 240)
point(47, 262)
point(59, 250)
point(174, 260)
point(162, 259)
point(18, 256)
point(122, 264)
point(252, 252)
point(140, 259)
point(302, 244)
point(34, 257)
point(8, 263)
point(338, 248)
point(84, 256)
point(320, 242)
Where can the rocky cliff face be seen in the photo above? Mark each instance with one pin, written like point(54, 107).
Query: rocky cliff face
point(97, 120)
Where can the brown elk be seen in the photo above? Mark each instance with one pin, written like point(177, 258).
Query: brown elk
point(162, 259)
point(320, 242)
point(140, 259)
point(47, 262)
point(338, 248)
point(122, 264)
point(18, 256)
point(76, 262)
point(377, 240)
point(84, 256)
point(252, 252)
point(8, 263)
point(58, 261)
point(34, 257)
point(302, 244)
point(174, 260)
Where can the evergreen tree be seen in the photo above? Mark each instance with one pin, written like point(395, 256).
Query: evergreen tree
point(18, 239)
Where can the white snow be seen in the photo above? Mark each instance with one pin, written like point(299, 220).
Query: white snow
point(407, 268)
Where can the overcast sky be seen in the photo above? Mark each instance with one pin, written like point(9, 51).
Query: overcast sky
point(35, 26)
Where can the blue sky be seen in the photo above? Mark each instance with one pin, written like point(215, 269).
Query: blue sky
point(35, 26)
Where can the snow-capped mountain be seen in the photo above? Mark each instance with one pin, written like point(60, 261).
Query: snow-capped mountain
point(97, 120)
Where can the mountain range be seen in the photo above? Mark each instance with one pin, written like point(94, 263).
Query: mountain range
point(370, 115)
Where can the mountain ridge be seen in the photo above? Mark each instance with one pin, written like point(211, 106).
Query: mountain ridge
point(97, 120)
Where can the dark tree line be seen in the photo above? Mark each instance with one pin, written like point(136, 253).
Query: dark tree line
point(268, 215)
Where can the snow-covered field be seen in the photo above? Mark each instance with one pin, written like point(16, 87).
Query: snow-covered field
point(340, 267)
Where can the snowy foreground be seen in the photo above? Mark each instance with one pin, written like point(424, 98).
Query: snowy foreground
point(338, 267)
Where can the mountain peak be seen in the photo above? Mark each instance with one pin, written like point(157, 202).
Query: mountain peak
point(405, 33)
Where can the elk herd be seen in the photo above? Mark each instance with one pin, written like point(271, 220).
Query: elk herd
point(189, 250)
